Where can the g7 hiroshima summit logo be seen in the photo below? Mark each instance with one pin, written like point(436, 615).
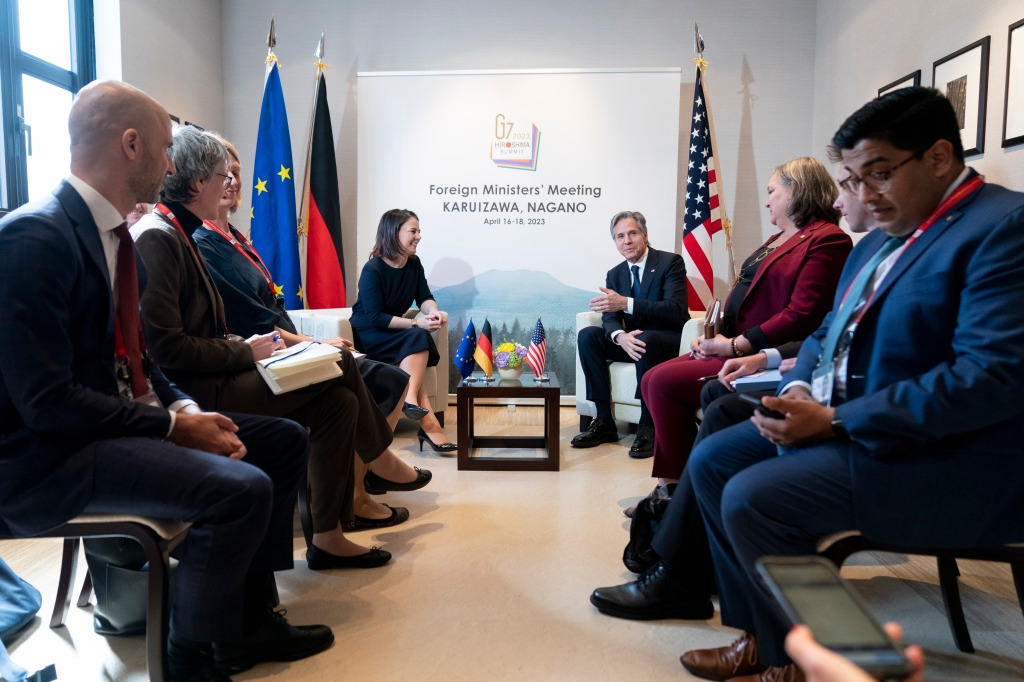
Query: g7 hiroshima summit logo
point(512, 148)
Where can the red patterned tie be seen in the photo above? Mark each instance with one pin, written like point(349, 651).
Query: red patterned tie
point(128, 309)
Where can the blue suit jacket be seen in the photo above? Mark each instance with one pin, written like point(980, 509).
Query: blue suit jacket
point(662, 301)
point(58, 390)
point(935, 394)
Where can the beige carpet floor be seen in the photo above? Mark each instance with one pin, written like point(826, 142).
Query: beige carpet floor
point(491, 579)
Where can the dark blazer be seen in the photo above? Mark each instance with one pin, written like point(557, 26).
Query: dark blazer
point(792, 290)
point(181, 309)
point(58, 390)
point(662, 301)
point(935, 379)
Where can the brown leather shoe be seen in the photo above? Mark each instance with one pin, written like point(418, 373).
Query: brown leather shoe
point(725, 662)
point(787, 673)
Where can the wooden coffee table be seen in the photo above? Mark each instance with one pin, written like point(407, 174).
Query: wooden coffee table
point(524, 387)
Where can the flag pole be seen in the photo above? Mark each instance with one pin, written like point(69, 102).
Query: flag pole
point(303, 225)
point(702, 66)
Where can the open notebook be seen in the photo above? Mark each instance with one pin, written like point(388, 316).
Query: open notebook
point(303, 364)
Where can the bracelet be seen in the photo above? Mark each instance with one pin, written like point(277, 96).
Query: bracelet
point(736, 352)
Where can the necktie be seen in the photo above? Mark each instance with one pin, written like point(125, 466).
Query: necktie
point(635, 269)
point(853, 297)
point(128, 309)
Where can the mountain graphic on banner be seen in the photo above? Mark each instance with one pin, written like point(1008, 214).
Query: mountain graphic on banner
point(512, 300)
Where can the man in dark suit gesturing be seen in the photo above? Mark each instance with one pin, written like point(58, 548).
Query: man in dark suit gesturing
point(902, 417)
point(88, 424)
point(643, 310)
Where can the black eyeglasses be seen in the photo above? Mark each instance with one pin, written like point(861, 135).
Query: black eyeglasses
point(879, 181)
point(227, 178)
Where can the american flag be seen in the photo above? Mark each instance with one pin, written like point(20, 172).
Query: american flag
point(538, 351)
point(702, 216)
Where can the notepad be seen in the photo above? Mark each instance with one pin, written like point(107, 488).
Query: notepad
point(305, 363)
point(765, 380)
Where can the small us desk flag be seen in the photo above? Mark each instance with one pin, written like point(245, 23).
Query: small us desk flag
point(464, 354)
point(538, 352)
point(274, 230)
point(702, 216)
point(484, 351)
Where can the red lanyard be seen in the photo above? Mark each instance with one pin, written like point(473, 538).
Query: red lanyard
point(257, 263)
point(166, 212)
point(965, 189)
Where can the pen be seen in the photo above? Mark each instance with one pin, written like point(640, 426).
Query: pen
point(277, 337)
point(707, 378)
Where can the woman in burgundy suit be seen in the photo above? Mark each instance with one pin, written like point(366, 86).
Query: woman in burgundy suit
point(782, 293)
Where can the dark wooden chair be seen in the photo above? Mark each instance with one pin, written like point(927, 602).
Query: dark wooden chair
point(836, 548)
point(157, 537)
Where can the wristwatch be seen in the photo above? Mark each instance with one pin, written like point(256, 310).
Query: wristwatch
point(839, 428)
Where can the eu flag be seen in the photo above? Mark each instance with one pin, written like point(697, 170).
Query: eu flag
point(274, 230)
point(464, 354)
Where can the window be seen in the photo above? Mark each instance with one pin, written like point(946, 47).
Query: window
point(47, 53)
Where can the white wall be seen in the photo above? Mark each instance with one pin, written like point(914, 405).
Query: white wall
point(173, 51)
point(867, 44)
point(776, 43)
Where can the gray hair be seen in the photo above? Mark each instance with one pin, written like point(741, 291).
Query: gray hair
point(197, 156)
point(641, 221)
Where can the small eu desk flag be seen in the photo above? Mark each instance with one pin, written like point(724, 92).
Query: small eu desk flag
point(464, 354)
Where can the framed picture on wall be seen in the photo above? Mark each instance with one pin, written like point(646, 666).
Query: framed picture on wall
point(907, 81)
point(963, 78)
point(1013, 104)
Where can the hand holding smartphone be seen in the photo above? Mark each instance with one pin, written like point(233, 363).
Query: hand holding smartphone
point(810, 591)
point(766, 411)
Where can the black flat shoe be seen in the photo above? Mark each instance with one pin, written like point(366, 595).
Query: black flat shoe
point(398, 515)
point(446, 449)
point(319, 560)
point(414, 411)
point(378, 485)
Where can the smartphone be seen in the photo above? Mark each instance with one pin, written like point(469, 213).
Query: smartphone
point(811, 591)
point(766, 411)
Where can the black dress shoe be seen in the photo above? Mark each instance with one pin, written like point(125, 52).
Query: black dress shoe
point(643, 444)
point(414, 411)
point(444, 449)
point(652, 596)
point(398, 515)
point(189, 664)
point(319, 560)
point(378, 485)
point(600, 431)
point(275, 640)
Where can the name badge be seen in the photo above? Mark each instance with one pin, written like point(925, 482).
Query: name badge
point(822, 382)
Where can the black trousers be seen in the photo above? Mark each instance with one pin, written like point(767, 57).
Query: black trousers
point(240, 510)
point(681, 540)
point(596, 350)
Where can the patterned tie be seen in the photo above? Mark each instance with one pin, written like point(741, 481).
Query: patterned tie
point(635, 269)
point(128, 309)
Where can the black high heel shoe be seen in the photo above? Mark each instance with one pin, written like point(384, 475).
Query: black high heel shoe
point(378, 485)
point(446, 449)
point(414, 411)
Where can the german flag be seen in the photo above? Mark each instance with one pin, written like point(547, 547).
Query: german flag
point(483, 352)
point(325, 273)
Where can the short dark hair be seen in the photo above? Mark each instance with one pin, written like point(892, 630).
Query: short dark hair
point(386, 245)
point(909, 118)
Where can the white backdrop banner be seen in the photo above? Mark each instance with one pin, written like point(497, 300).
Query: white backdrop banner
point(515, 176)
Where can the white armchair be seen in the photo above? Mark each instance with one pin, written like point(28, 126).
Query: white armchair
point(328, 323)
point(625, 407)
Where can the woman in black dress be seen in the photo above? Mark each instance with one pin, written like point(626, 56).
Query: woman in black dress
point(389, 283)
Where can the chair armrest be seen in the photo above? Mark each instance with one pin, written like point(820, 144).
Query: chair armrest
point(324, 323)
point(693, 329)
